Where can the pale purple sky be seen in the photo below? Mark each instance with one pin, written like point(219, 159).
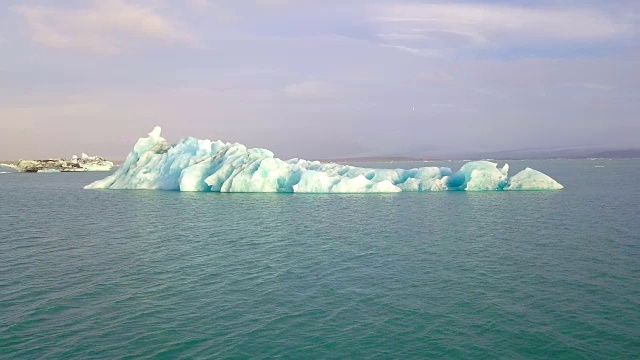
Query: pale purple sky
point(318, 78)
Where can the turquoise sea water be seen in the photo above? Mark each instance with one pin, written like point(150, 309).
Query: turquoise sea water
point(152, 274)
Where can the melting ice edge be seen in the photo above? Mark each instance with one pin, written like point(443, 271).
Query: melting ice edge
point(205, 165)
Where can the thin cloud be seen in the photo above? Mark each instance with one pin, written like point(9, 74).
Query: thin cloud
point(405, 36)
point(104, 28)
point(484, 25)
point(588, 85)
point(310, 90)
point(198, 4)
point(414, 51)
point(436, 77)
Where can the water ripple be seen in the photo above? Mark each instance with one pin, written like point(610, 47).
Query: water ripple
point(91, 274)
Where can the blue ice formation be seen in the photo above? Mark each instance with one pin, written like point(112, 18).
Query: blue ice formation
point(204, 165)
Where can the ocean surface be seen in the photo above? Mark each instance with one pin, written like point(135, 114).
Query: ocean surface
point(151, 274)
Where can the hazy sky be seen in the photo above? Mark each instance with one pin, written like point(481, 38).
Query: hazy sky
point(318, 78)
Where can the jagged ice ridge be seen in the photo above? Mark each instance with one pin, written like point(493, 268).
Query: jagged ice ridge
point(204, 165)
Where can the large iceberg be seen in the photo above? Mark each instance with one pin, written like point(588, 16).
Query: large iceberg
point(204, 165)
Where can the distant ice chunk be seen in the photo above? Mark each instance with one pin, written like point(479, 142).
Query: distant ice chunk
point(205, 165)
point(92, 163)
point(48, 171)
point(10, 166)
point(530, 179)
point(98, 166)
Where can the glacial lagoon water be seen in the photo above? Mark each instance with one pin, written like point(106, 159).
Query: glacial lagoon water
point(156, 274)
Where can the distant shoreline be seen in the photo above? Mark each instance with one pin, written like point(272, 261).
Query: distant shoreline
point(609, 155)
point(391, 159)
point(501, 156)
